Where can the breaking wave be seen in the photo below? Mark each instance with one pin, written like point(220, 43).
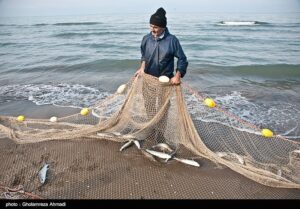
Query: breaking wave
point(65, 95)
point(241, 23)
point(280, 117)
point(77, 23)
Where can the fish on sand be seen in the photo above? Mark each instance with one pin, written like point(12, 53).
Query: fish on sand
point(161, 155)
point(129, 143)
point(163, 147)
point(187, 161)
point(43, 173)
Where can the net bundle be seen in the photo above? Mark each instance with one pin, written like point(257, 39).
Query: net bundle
point(148, 113)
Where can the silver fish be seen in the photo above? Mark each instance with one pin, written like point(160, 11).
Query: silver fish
point(116, 133)
point(148, 155)
point(43, 173)
point(106, 134)
point(127, 144)
point(161, 155)
point(137, 144)
point(188, 162)
point(163, 147)
point(231, 156)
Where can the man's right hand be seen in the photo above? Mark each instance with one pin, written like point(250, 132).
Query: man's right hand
point(139, 72)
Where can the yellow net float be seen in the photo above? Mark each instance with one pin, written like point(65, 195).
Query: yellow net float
point(267, 133)
point(84, 111)
point(21, 118)
point(121, 89)
point(209, 102)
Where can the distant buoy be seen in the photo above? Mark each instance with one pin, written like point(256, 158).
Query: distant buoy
point(121, 89)
point(84, 111)
point(21, 118)
point(53, 119)
point(209, 102)
point(266, 132)
point(164, 79)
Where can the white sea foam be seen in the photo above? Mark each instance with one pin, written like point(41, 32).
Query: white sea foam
point(68, 95)
point(237, 23)
point(281, 117)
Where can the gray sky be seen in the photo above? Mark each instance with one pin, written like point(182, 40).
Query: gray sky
point(85, 7)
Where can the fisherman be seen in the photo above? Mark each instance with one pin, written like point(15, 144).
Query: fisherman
point(158, 50)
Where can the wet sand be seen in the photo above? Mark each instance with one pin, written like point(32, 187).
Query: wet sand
point(96, 169)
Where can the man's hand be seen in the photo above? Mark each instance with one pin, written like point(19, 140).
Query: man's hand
point(139, 72)
point(176, 79)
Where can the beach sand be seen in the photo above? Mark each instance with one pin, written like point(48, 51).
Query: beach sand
point(96, 169)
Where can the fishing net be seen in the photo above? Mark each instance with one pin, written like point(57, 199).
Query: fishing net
point(161, 121)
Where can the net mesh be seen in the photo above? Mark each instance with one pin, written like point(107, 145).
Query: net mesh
point(149, 113)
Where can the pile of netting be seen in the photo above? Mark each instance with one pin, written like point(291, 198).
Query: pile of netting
point(155, 118)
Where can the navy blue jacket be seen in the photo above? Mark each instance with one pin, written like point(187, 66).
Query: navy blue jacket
point(159, 55)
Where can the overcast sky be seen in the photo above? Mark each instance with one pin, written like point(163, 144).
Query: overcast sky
point(85, 7)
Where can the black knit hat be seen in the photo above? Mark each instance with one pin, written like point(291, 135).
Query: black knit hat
point(159, 18)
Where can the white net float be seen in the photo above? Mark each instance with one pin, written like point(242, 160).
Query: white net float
point(164, 79)
point(121, 89)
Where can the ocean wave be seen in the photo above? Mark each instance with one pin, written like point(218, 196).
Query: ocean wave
point(63, 94)
point(40, 24)
point(270, 71)
point(69, 35)
point(267, 71)
point(55, 24)
point(281, 117)
point(280, 71)
point(4, 25)
point(5, 34)
point(7, 44)
point(77, 23)
point(242, 23)
point(103, 65)
point(104, 33)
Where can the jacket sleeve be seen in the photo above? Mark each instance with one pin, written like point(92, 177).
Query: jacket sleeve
point(143, 49)
point(182, 62)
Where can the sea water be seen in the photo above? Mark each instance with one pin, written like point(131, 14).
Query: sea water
point(249, 63)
